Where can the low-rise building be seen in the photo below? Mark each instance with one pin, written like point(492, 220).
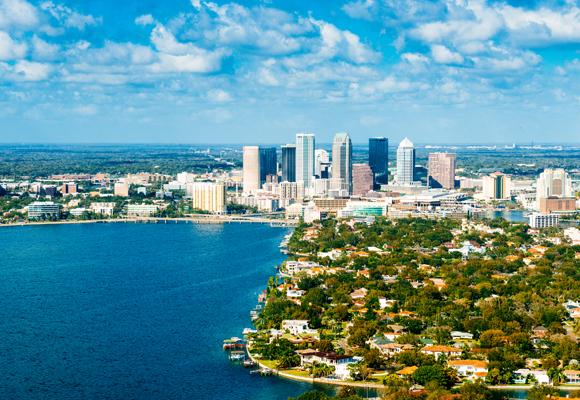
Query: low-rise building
point(46, 209)
point(469, 369)
point(297, 327)
point(103, 208)
point(141, 210)
point(440, 350)
point(538, 221)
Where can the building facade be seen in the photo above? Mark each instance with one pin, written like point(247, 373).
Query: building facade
point(362, 179)
point(379, 159)
point(251, 169)
point(209, 196)
point(442, 170)
point(553, 183)
point(305, 143)
point(406, 162)
point(342, 162)
point(321, 162)
point(497, 186)
point(268, 163)
point(289, 163)
point(46, 209)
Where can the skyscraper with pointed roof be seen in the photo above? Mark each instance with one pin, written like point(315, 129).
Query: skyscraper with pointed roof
point(406, 162)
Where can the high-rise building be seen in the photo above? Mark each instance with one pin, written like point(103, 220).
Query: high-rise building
point(121, 189)
point(362, 179)
point(289, 163)
point(497, 186)
point(553, 183)
point(406, 162)
point(268, 163)
point(321, 161)
point(69, 188)
point(209, 196)
point(305, 158)
point(442, 170)
point(379, 159)
point(251, 172)
point(342, 162)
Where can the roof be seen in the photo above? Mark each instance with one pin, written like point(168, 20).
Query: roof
point(407, 370)
point(441, 349)
point(472, 363)
point(406, 143)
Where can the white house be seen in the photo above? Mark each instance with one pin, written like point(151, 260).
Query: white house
point(297, 326)
point(438, 350)
point(522, 375)
point(469, 369)
point(458, 335)
point(338, 361)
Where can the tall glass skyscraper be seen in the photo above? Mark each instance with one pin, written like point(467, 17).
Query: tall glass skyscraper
point(289, 163)
point(305, 158)
point(379, 159)
point(268, 162)
point(406, 162)
point(342, 162)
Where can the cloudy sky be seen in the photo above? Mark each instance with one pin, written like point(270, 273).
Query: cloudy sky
point(190, 71)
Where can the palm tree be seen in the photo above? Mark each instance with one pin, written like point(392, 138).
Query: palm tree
point(556, 376)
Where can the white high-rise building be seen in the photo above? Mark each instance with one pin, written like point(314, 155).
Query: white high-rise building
point(406, 162)
point(321, 157)
point(342, 162)
point(305, 158)
point(553, 183)
point(497, 186)
point(251, 174)
point(209, 196)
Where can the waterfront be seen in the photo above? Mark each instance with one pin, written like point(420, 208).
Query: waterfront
point(117, 311)
point(120, 311)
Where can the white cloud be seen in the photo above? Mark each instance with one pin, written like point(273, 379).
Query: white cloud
point(10, 49)
point(17, 13)
point(145, 20)
point(43, 50)
point(361, 9)
point(31, 71)
point(443, 55)
point(219, 96)
point(69, 17)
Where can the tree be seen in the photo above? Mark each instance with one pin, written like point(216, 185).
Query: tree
point(359, 371)
point(541, 392)
point(475, 391)
point(347, 392)
point(288, 361)
point(314, 395)
point(433, 373)
point(325, 346)
point(556, 376)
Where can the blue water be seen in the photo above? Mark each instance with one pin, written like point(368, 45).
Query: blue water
point(131, 311)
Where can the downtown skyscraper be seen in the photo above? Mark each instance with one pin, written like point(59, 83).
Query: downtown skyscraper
point(289, 163)
point(305, 143)
point(442, 170)
point(342, 162)
point(379, 159)
point(406, 163)
point(251, 169)
point(268, 162)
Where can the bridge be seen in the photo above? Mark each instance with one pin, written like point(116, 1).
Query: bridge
point(221, 219)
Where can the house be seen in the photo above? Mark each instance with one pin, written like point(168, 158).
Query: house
point(524, 375)
point(406, 372)
point(469, 369)
point(540, 332)
point(458, 335)
point(338, 361)
point(392, 336)
point(384, 303)
point(294, 294)
point(391, 349)
point(468, 248)
point(295, 267)
point(297, 327)
point(359, 294)
point(572, 377)
point(439, 350)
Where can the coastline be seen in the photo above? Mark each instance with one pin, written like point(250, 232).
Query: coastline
point(206, 219)
point(370, 385)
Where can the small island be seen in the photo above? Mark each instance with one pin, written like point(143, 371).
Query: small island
point(416, 307)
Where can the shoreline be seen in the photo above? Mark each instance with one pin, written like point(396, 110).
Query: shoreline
point(211, 219)
point(371, 385)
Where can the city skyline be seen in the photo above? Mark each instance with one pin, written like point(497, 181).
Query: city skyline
point(185, 71)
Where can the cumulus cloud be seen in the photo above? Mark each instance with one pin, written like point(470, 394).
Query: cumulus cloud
point(145, 20)
point(11, 49)
point(68, 17)
point(443, 55)
point(30, 71)
point(17, 14)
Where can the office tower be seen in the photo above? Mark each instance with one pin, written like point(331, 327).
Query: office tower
point(289, 163)
point(321, 161)
point(497, 186)
point(268, 163)
point(406, 162)
point(362, 179)
point(209, 196)
point(43, 210)
point(305, 158)
point(69, 188)
point(442, 170)
point(379, 159)
point(251, 171)
point(342, 162)
point(553, 183)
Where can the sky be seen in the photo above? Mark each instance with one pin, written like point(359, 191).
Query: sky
point(194, 71)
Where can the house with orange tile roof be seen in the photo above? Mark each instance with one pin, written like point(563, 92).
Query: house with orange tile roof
point(440, 350)
point(468, 369)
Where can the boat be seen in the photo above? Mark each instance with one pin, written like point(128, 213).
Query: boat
point(250, 363)
point(249, 331)
point(237, 356)
point(234, 343)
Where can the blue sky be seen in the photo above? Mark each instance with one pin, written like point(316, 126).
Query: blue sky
point(190, 71)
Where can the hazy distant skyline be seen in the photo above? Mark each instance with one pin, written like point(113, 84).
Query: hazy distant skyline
point(465, 71)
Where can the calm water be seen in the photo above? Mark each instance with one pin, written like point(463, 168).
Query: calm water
point(131, 311)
